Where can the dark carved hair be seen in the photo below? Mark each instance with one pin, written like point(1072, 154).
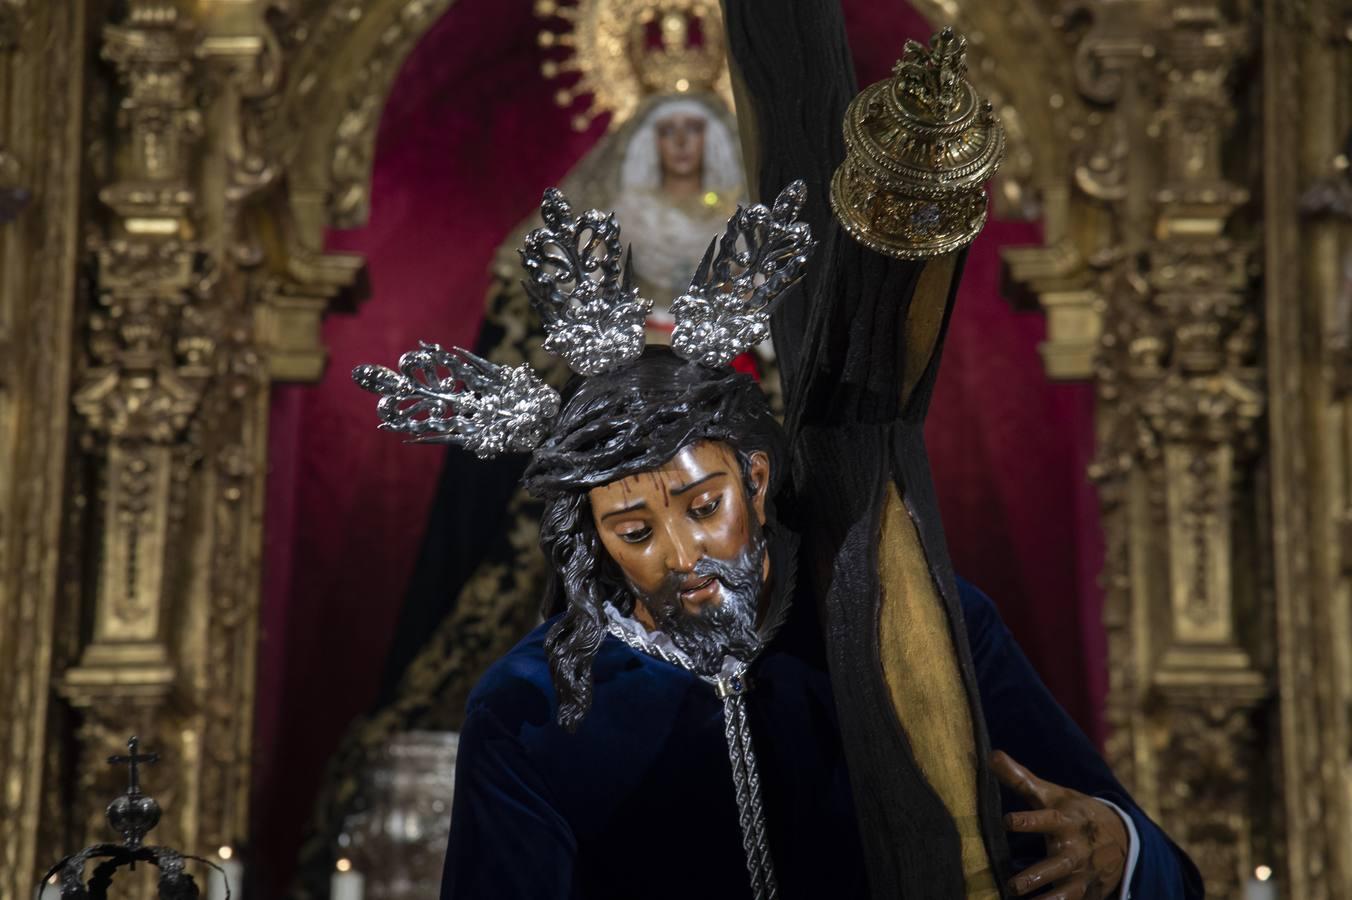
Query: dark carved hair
point(614, 425)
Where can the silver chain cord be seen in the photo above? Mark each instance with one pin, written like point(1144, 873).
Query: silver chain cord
point(745, 775)
point(746, 779)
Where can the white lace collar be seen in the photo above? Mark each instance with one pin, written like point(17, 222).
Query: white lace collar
point(657, 643)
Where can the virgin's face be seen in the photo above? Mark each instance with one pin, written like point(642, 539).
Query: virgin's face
point(658, 524)
point(680, 144)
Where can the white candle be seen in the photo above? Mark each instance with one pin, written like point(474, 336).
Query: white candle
point(347, 883)
point(1262, 886)
point(231, 873)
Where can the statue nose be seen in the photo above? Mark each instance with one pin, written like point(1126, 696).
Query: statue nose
point(683, 552)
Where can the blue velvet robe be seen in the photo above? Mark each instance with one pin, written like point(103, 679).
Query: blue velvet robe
point(639, 802)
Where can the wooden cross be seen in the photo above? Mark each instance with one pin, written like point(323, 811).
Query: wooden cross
point(132, 761)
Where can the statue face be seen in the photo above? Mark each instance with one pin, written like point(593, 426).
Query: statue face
point(658, 524)
point(680, 145)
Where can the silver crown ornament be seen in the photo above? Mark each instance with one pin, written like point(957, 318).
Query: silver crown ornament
point(453, 396)
point(581, 288)
point(578, 280)
point(726, 309)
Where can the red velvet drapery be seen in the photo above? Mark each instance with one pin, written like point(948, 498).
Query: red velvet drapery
point(469, 139)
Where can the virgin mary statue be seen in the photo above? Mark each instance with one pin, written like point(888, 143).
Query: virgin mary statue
point(679, 179)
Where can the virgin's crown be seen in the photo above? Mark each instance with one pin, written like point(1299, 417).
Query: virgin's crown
point(617, 52)
point(677, 48)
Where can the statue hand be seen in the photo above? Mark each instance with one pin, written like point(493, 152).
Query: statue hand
point(1087, 843)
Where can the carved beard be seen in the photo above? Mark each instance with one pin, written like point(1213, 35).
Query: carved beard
point(727, 628)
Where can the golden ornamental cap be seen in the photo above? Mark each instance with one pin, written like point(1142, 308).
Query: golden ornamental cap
point(919, 149)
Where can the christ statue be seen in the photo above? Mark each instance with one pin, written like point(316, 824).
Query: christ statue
point(677, 699)
point(757, 676)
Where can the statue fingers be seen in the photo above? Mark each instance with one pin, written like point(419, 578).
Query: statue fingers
point(1039, 821)
point(1073, 890)
point(1037, 792)
point(1047, 872)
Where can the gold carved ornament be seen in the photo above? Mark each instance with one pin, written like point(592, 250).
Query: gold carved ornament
point(919, 149)
point(621, 51)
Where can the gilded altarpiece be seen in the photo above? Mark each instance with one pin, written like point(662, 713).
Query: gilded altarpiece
point(167, 170)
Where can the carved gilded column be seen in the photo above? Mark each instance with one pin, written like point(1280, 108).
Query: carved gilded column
point(149, 355)
point(1307, 278)
point(1194, 392)
point(204, 280)
point(1151, 292)
point(130, 551)
point(173, 406)
point(42, 69)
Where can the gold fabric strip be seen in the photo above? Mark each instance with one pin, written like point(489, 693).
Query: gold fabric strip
point(925, 318)
point(920, 667)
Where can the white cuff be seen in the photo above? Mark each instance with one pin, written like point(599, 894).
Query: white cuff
point(1133, 849)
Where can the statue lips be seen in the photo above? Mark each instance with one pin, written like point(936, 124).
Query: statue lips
point(700, 591)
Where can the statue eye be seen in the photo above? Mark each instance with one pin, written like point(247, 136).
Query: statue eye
point(706, 509)
point(637, 536)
